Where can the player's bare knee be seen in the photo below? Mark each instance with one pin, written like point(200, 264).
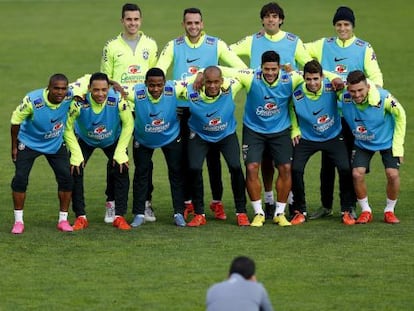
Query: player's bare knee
point(392, 175)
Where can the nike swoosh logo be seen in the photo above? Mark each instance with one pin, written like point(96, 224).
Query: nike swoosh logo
point(316, 112)
point(268, 97)
point(358, 120)
point(95, 123)
point(192, 60)
point(339, 59)
point(53, 120)
point(208, 115)
point(154, 114)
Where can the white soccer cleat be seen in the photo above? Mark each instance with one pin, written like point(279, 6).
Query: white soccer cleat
point(149, 212)
point(110, 212)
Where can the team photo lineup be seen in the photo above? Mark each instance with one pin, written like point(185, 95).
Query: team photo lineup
point(301, 98)
point(206, 156)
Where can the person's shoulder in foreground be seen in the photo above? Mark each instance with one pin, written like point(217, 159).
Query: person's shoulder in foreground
point(240, 291)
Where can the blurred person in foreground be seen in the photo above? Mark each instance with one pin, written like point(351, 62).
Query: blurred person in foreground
point(241, 291)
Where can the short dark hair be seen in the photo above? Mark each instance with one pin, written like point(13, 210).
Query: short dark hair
point(355, 77)
point(130, 7)
point(155, 72)
point(313, 66)
point(244, 266)
point(272, 7)
point(270, 56)
point(192, 11)
point(98, 76)
point(58, 77)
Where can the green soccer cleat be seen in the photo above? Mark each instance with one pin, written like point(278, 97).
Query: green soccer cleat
point(321, 213)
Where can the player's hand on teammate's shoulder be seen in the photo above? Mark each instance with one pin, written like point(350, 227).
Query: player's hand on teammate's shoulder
point(338, 84)
point(198, 82)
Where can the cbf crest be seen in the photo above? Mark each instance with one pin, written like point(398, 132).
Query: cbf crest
point(145, 54)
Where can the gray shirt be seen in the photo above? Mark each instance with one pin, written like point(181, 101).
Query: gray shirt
point(238, 294)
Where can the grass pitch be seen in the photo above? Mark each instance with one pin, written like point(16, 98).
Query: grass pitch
point(321, 265)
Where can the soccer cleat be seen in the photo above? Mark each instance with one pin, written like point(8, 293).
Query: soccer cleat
point(18, 228)
point(281, 220)
point(348, 219)
point(321, 212)
point(258, 220)
point(270, 210)
point(243, 220)
point(139, 219)
point(64, 226)
point(110, 212)
point(149, 214)
point(179, 220)
point(298, 219)
point(189, 210)
point(218, 209)
point(121, 223)
point(197, 221)
point(364, 218)
point(390, 218)
point(80, 223)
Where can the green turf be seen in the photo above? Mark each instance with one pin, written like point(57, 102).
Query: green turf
point(321, 265)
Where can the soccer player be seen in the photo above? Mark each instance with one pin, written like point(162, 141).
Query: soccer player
point(157, 126)
point(342, 54)
point(125, 59)
point(104, 120)
point(317, 113)
point(289, 46)
point(37, 127)
point(186, 54)
point(377, 121)
point(241, 291)
point(213, 125)
point(292, 55)
point(267, 120)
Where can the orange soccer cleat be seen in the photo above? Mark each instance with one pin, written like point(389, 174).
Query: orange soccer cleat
point(197, 221)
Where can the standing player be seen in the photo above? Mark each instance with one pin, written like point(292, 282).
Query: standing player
point(213, 125)
point(377, 121)
point(126, 58)
point(103, 121)
point(157, 126)
point(267, 121)
point(342, 54)
point(37, 127)
point(186, 54)
point(316, 108)
point(292, 54)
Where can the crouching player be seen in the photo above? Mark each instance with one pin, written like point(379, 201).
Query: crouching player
point(378, 122)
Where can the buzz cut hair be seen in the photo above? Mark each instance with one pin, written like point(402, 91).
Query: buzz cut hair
point(154, 72)
point(58, 77)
